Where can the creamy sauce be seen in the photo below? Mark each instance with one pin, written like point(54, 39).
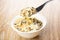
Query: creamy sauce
point(27, 23)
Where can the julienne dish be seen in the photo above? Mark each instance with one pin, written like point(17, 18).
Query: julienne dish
point(28, 26)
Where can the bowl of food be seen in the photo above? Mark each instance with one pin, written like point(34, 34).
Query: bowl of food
point(28, 27)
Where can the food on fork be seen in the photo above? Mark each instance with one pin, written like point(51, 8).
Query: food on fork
point(27, 12)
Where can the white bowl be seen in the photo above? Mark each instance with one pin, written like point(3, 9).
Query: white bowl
point(30, 34)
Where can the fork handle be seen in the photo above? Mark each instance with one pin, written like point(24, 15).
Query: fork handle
point(40, 7)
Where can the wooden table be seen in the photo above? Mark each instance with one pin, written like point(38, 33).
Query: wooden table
point(9, 9)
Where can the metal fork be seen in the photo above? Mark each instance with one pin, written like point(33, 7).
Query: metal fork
point(41, 7)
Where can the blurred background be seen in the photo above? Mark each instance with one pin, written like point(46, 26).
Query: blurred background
point(10, 8)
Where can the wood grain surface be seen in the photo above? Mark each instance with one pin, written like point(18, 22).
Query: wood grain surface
point(10, 8)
